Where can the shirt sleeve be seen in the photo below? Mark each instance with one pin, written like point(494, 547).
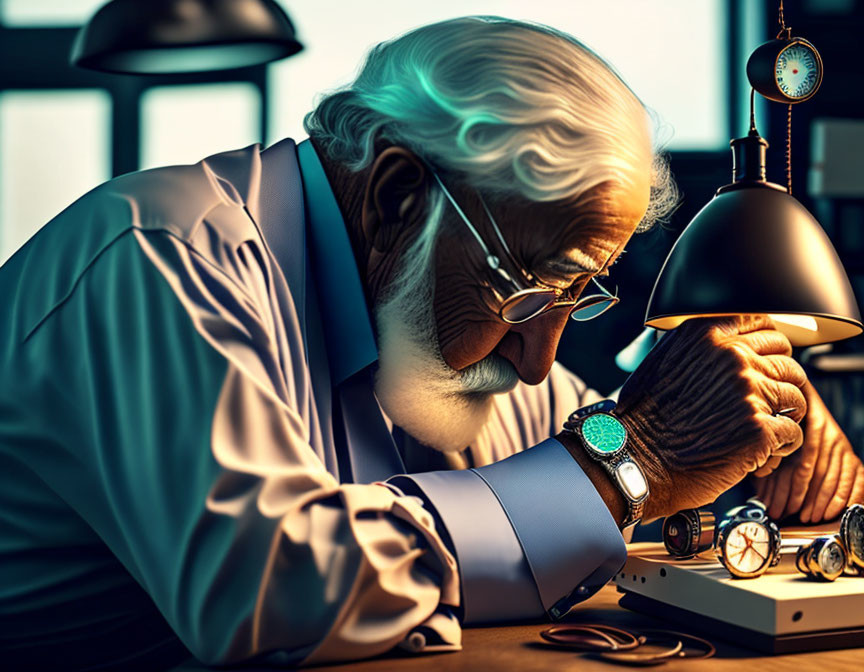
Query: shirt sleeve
point(179, 435)
point(531, 534)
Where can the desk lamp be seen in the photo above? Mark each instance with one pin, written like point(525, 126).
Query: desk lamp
point(754, 248)
point(182, 36)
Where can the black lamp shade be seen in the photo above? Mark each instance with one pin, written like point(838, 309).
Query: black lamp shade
point(182, 36)
point(755, 249)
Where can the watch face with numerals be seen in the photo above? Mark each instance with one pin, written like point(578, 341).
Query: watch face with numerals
point(603, 433)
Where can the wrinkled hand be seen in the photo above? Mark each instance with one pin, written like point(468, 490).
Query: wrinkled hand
point(821, 479)
point(701, 409)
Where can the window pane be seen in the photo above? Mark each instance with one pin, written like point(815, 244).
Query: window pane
point(184, 124)
point(56, 147)
point(47, 12)
point(671, 53)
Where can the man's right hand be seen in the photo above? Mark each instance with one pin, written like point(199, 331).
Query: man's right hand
point(701, 409)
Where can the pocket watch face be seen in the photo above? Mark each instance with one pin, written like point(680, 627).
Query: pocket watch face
point(797, 70)
point(747, 548)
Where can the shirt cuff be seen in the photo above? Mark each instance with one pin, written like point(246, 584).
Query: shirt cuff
point(530, 533)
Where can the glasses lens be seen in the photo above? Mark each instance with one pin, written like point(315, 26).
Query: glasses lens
point(525, 305)
point(591, 309)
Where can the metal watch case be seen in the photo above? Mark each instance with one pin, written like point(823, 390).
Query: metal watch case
point(729, 525)
point(688, 533)
point(852, 535)
point(824, 558)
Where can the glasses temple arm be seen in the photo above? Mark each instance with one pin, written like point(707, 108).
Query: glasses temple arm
point(503, 242)
point(462, 215)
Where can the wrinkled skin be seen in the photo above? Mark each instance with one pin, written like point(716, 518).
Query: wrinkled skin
point(822, 478)
point(700, 409)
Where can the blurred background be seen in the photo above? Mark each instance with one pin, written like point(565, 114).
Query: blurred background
point(64, 130)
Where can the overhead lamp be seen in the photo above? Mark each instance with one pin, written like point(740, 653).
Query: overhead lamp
point(150, 37)
point(754, 248)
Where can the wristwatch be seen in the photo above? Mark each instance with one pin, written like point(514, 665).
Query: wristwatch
point(824, 558)
point(852, 535)
point(604, 438)
point(688, 533)
point(748, 543)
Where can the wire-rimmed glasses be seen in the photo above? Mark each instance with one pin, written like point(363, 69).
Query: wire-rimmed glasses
point(522, 301)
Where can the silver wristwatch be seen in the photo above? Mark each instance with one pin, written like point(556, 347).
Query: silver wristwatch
point(604, 438)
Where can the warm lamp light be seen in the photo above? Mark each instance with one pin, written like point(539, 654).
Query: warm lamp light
point(754, 249)
point(181, 36)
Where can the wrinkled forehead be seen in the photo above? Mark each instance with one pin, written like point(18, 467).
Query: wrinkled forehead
point(587, 230)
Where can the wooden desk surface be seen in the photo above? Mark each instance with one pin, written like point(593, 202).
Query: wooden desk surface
point(519, 648)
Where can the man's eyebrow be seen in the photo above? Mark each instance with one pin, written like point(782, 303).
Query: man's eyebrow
point(574, 263)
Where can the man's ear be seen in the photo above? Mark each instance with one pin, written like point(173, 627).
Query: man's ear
point(395, 198)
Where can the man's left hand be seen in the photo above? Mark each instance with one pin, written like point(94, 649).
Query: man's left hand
point(821, 478)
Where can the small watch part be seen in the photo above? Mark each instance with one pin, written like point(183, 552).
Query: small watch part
point(823, 559)
point(852, 535)
point(747, 546)
point(688, 533)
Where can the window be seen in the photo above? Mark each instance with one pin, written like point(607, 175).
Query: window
point(56, 147)
point(672, 53)
point(183, 124)
point(47, 12)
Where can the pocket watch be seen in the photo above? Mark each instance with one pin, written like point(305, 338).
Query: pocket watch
point(785, 70)
point(852, 535)
point(688, 533)
point(748, 544)
point(824, 558)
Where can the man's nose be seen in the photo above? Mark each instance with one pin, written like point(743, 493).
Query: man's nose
point(531, 346)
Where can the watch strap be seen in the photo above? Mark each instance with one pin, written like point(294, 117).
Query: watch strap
point(613, 463)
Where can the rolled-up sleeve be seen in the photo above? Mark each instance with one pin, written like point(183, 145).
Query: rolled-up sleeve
point(531, 534)
point(181, 438)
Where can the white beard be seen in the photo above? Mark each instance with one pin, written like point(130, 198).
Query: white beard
point(439, 406)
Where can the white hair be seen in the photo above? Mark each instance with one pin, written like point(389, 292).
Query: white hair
point(514, 107)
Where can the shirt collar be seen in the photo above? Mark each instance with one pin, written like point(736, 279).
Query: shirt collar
point(345, 317)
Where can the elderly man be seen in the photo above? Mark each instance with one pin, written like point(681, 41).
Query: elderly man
point(295, 405)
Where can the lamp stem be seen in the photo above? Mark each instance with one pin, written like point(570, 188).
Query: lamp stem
point(753, 130)
point(748, 158)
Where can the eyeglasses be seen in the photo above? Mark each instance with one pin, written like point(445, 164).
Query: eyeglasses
point(522, 301)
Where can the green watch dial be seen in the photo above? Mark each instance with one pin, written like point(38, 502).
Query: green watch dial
point(603, 433)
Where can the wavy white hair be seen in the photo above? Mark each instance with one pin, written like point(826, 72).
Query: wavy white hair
point(515, 107)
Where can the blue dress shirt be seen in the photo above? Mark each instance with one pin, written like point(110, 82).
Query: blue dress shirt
point(531, 533)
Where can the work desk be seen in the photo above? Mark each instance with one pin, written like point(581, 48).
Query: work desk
point(519, 648)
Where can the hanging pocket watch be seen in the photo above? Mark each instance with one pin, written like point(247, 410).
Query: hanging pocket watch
point(785, 70)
